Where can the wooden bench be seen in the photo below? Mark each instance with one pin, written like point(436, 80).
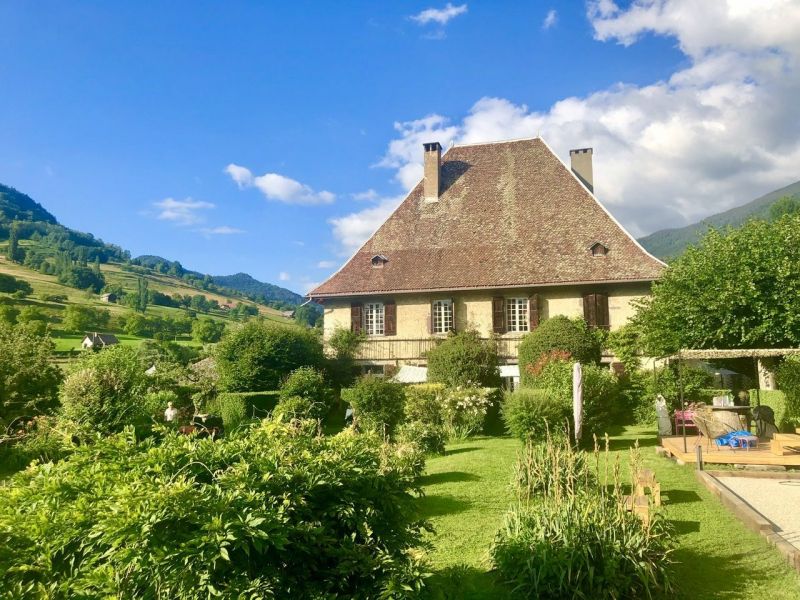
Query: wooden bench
point(638, 505)
point(647, 480)
point(784, 444)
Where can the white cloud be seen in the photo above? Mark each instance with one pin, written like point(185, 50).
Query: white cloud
point(326, 264)
point(439, 15)
point(221, 230)
point(367, 195)
point(284, 276)
point(278, 187)
point(181, 212)
point(352, 230)
point(551, 19)
point(310, 285)
point(721, 130)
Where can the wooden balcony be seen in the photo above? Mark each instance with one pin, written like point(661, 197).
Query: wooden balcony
point(391, 349)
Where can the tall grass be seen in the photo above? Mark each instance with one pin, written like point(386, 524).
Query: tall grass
point(570, 535)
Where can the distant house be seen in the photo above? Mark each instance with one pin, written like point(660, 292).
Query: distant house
point(110, 298)
point(289, 314)
point(98, 341)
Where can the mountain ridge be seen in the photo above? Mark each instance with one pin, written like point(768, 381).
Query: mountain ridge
point(671, 242)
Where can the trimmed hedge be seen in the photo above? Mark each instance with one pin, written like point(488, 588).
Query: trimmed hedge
point(257, 404)
point(775, 399)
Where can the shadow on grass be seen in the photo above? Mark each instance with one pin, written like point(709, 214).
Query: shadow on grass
point(463, 582)
point(434, 505)
point(699, 575)
point(683, 527)
point(461, 450)
point(681, 496)
point(447, 477)
point(617, 444)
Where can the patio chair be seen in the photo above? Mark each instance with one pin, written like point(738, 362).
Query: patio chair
point(708, 427)
point(684, 418)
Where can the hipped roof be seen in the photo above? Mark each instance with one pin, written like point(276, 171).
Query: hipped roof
point(510, 214)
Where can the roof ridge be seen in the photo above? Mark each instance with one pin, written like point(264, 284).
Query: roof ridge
point(511, 141)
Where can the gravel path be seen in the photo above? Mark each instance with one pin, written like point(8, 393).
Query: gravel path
point(777, 499)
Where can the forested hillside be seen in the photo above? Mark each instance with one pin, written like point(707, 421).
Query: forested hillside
point(669, 243)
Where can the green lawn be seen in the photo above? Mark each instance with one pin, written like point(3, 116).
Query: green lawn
point(467, 493)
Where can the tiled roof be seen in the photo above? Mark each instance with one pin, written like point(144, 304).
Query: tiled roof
point(510, 214)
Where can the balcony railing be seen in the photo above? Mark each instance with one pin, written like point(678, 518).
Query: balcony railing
point(393, 349)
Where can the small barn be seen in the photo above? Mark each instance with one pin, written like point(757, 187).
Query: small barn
point(98, 341)
point(111, 298)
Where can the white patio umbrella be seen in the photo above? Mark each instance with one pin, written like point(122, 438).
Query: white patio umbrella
point(577, 398)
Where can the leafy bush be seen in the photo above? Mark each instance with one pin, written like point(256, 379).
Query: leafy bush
point(46, 440)
point(106, 389)
point(231, 407)
point(529, 413)
point(644, 385)
point(257, 355)
point(465, 408)
point(298, 407)
point(207, 330)
point(601, 398)
point(557, 333)
point(28, 379)
point(425, 402)
point(788, 379)
point(271, 512)
point(464, 359)
point(344, 345)
point(308, 382)
point(377, 403)
point(429, 437)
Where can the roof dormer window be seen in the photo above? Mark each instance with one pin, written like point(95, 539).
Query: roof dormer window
point(378, 261)
point(598, 249)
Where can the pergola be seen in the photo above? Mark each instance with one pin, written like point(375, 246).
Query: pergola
point(715, 354)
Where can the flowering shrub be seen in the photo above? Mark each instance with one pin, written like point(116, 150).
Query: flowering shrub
point(464, 409)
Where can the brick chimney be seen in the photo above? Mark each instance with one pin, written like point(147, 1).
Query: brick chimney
point(581, 164)
point(433, 171)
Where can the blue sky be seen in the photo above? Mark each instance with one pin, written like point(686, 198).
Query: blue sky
point(271, 138)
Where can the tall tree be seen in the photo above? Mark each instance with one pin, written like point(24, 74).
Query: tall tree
point(141, 304)
point(736, 289)
point(12, 251)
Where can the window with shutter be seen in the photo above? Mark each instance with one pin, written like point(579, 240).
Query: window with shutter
point(390, 318)
point(533, 311)
point(355, 317)
point(374, 318)
point(517, 314)
point(595, 310)
point(499, 315)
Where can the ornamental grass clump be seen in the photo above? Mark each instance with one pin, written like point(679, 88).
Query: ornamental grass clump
point(570, 535)
point(273, 511)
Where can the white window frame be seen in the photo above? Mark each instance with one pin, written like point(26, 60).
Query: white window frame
point(442, 316)
point(374, 318)
point(517, 316)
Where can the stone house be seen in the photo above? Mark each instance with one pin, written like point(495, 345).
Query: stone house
point(496, 237)
point(98, 341)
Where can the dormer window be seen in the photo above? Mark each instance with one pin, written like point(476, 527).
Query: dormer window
point(598, 249)
point(378, 261)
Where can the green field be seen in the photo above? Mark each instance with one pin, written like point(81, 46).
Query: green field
point(47, 285)
point(467, 493)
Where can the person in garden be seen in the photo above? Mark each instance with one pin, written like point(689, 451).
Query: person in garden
point(171, 413)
